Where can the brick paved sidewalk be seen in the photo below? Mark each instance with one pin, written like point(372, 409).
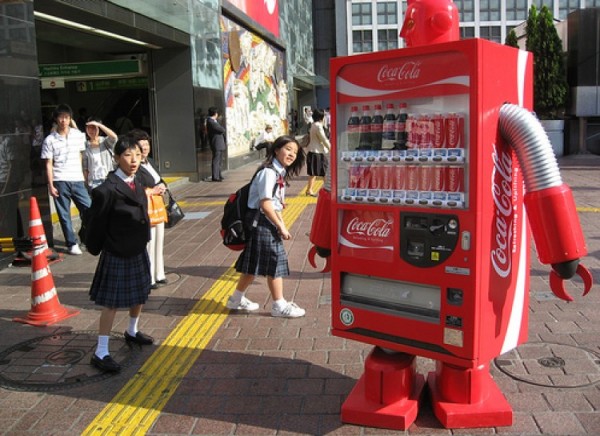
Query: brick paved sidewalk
point(260, 375)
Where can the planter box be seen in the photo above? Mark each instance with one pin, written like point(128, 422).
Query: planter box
point(555, 131)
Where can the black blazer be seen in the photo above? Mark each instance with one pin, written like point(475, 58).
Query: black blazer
point(118, 218)
point(146, 178)
point(216, 134)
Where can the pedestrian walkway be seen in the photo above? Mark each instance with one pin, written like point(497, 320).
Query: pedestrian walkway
point(214, 372)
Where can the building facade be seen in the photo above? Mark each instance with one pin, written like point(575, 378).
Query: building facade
point(157, 65)
point(373, 25)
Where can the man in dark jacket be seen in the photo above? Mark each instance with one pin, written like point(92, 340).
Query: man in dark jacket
point(216, 139)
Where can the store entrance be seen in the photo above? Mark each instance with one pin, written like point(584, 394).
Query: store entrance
point(96, 76)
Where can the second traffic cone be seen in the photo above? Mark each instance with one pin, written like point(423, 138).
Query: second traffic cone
point(45, 307)
point(36, 230)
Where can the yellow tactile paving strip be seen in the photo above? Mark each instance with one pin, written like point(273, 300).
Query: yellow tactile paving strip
point(137, 405)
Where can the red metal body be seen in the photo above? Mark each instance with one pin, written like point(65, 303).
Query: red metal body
point(430, 244)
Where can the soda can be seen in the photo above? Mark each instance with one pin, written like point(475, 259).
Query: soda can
point(411, 178)
point(386, 177)
point(375, 179)
point(455, 179)
point(439, 131)
point(411, 131)
point(425, 178)
point(399, 177)
point(438, 181)
point(426, 131)
point(354, 176)
point(455, 125)
point(364, 177)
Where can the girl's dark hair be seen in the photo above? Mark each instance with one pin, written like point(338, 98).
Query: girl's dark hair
point(139, 135)
point(124, 143)
point(96, 119)
point(318, 115)
point(295, 168)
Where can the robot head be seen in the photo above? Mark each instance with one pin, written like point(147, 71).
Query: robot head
point(430, 22)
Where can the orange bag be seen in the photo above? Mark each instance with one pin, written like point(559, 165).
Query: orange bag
point(156, 209)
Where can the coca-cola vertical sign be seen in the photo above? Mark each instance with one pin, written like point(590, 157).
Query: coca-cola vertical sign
point(504, 226)
point(367, 234)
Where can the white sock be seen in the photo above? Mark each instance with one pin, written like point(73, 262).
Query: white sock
point(133, 325)
point(278, 304)
point(102, 347)
point(237, 295)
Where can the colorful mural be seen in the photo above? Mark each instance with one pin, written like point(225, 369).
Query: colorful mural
point(255, 87)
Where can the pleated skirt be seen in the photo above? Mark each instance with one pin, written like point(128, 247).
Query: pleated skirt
point(121, 282)
point(264, 254)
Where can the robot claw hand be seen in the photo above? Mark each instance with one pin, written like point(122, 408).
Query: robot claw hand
point(322, 253)
point(558, 286)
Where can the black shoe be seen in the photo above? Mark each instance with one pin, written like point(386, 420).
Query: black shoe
point(107, 364)
point(139, 338)
point(162, 282)
point(217, 180)
point(154, 286)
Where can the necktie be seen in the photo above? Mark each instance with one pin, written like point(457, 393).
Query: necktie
point(131, 184)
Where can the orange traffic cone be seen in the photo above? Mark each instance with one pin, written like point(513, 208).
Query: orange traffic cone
point(24, 255)
point(45, 307)
point(36, 230)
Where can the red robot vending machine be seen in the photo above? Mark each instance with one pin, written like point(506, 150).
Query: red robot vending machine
point(430, 234)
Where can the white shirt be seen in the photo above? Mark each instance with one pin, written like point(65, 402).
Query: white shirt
point(262, 187)
point(65, 152)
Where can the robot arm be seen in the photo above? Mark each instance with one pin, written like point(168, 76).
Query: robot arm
point(549, 202)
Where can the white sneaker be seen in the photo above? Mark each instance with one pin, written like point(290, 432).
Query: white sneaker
point(74, 249)
point(290, 310)
point(245, 304)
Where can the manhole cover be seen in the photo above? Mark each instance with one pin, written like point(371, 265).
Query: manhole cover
point(57, 361)
point(552, 365)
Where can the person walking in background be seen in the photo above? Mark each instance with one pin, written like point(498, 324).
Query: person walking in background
point(317, 159)
point(62, 150)
point(327, 123)
point(124, 125)
point(98, 155)
point(264, 253)
point(216, 139)
point(308, 118)
point(150, 178)
point(119, 232)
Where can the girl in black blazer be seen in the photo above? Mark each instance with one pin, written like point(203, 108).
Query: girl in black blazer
point(119, 230)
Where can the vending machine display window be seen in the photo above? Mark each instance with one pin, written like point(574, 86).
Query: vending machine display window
point(409, 151)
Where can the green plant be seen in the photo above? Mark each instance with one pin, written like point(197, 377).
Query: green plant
point(511, 39)
point(550, 81)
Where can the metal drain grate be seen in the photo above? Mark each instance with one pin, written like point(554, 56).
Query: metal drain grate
point(58, 361)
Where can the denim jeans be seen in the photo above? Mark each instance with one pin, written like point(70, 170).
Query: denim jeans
point(78, 193)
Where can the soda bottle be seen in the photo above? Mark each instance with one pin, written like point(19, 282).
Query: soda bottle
point(365, 129)
point(389, 127)
point(353, 129)
point(401, 133)
point(376, 128)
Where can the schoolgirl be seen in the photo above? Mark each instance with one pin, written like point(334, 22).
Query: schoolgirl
point(119, 231)
point(264, 254)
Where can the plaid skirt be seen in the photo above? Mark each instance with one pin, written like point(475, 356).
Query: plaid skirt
point(264, 254)
point(316, 164)
point(121, 282)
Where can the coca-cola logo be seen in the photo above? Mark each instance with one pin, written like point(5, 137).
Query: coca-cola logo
point(502, 230)
point(406, 71)
point(378, 228)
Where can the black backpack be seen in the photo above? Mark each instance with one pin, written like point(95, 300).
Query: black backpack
point(233, 231)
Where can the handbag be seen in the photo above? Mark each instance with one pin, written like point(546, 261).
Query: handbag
point(305, 140)
point(157, 212)
point(174, 212)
